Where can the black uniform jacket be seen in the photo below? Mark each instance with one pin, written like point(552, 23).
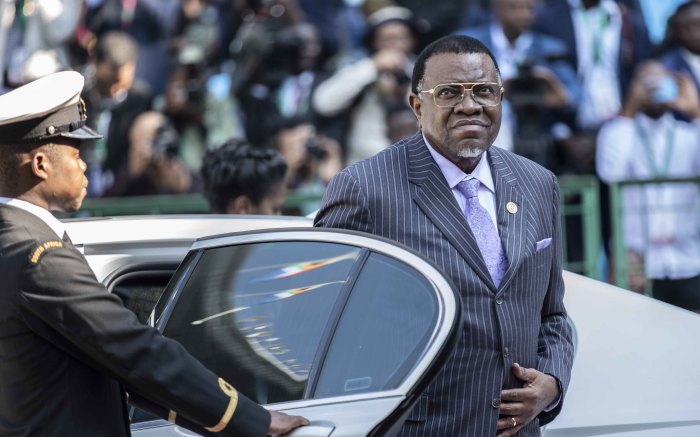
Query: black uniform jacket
point(67, 346)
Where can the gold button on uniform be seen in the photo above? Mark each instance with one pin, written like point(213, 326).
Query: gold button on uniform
point(512, 207)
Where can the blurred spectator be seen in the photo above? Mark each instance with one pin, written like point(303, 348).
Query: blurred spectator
point(351, 24)
point(196, 38)
point(401, 122)
point(541, 85)
point(153, 165)
point(367, 83)
point(115, 98)
point(606, 41)
point(661, 221)
point(323, 15)
point(242, 179)
point(184, 104)
point(434, 19)
point(277, 68)
point(41, 28)
point(682, 44)
point(152, 24)
point(313, 158)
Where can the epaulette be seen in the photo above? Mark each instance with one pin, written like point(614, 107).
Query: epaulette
point(39, 251)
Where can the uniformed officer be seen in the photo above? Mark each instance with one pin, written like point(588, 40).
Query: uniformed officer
point(69, 349)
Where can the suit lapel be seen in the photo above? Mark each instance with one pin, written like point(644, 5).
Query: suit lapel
point(435, 199)
point(512, 224)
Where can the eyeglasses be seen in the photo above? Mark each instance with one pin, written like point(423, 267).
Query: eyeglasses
point(449, 95)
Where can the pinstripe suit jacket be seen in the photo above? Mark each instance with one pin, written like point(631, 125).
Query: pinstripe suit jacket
point(401, 194)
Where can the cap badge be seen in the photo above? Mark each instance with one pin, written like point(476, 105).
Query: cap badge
point(82, 109)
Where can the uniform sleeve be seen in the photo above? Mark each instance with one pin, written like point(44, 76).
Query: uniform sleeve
point(62, 301)
point(344, 205)
point(555, 349)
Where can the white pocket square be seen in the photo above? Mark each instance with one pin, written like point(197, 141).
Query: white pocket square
point(542, 244)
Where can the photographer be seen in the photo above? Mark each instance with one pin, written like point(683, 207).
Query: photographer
point(277, 61)
point(153, 165)
point(373, 81)
point(313, 159)
point(541, 86)
point(646, 141)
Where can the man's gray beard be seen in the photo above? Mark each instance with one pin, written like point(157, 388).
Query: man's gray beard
point(471, 152)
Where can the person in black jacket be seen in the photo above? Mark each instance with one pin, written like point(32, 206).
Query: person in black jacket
point(69, 350)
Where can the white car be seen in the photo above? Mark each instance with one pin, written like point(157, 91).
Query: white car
point(347, 329)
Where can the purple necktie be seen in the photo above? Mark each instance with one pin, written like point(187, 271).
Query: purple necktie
point(484, 231)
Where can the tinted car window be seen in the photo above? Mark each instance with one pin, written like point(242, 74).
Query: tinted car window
point(255, 314)
point(384, 329)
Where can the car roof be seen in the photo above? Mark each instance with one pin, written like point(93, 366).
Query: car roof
point(127, 229)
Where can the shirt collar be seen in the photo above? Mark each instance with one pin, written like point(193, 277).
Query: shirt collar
point(656, 125)
point(43, 214)
point(454, 175)
point(500, 41)
point(609, 6)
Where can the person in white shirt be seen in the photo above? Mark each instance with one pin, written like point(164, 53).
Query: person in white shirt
point(645, 141)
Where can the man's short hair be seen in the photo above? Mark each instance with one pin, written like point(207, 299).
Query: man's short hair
point(10, 159)
point(117, 48)
point(458, 44)
point(239, 169)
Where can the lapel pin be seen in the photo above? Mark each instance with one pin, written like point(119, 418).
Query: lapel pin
point(512, 207)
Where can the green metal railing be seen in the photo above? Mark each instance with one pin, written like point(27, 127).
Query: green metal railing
point(295, 203)
point(579, 195)
point(617, 212)
point(580, 201)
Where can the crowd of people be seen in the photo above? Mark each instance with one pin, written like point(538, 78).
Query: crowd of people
point(325, 84)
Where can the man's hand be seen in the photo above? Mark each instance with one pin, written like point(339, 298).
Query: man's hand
point(556, 95)
point(519, 406)
point(688, 101)
point(283, 423)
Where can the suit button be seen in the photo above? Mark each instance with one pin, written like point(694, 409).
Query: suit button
point(499, 301)
point(506, 352)
point(496, 403)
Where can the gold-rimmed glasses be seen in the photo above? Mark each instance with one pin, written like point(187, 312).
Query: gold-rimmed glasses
point(449, 95)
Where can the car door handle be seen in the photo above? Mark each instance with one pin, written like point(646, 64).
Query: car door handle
point(315, 429)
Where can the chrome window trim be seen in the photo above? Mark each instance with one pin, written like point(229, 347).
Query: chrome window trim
point(446, 302)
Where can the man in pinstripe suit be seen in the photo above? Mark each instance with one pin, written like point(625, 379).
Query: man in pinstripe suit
point(511, 367)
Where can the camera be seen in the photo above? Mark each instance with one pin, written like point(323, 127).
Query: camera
point(664, 90)
point(314, 149)
point(526, 89)
point(166, 142)
point(401, 77)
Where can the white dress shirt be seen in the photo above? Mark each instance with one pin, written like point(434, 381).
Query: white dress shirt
point(598, 31)
point(454, 175)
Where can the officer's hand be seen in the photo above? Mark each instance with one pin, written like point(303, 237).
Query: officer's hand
point(282, 423)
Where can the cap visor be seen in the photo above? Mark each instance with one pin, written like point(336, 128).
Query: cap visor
point(83, 133)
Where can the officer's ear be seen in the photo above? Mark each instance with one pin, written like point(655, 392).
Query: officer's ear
point(41, 164)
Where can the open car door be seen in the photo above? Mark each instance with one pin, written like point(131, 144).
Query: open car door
point(344, 328)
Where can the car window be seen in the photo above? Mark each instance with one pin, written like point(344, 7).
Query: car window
point(256, 313)
point(386, 326)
